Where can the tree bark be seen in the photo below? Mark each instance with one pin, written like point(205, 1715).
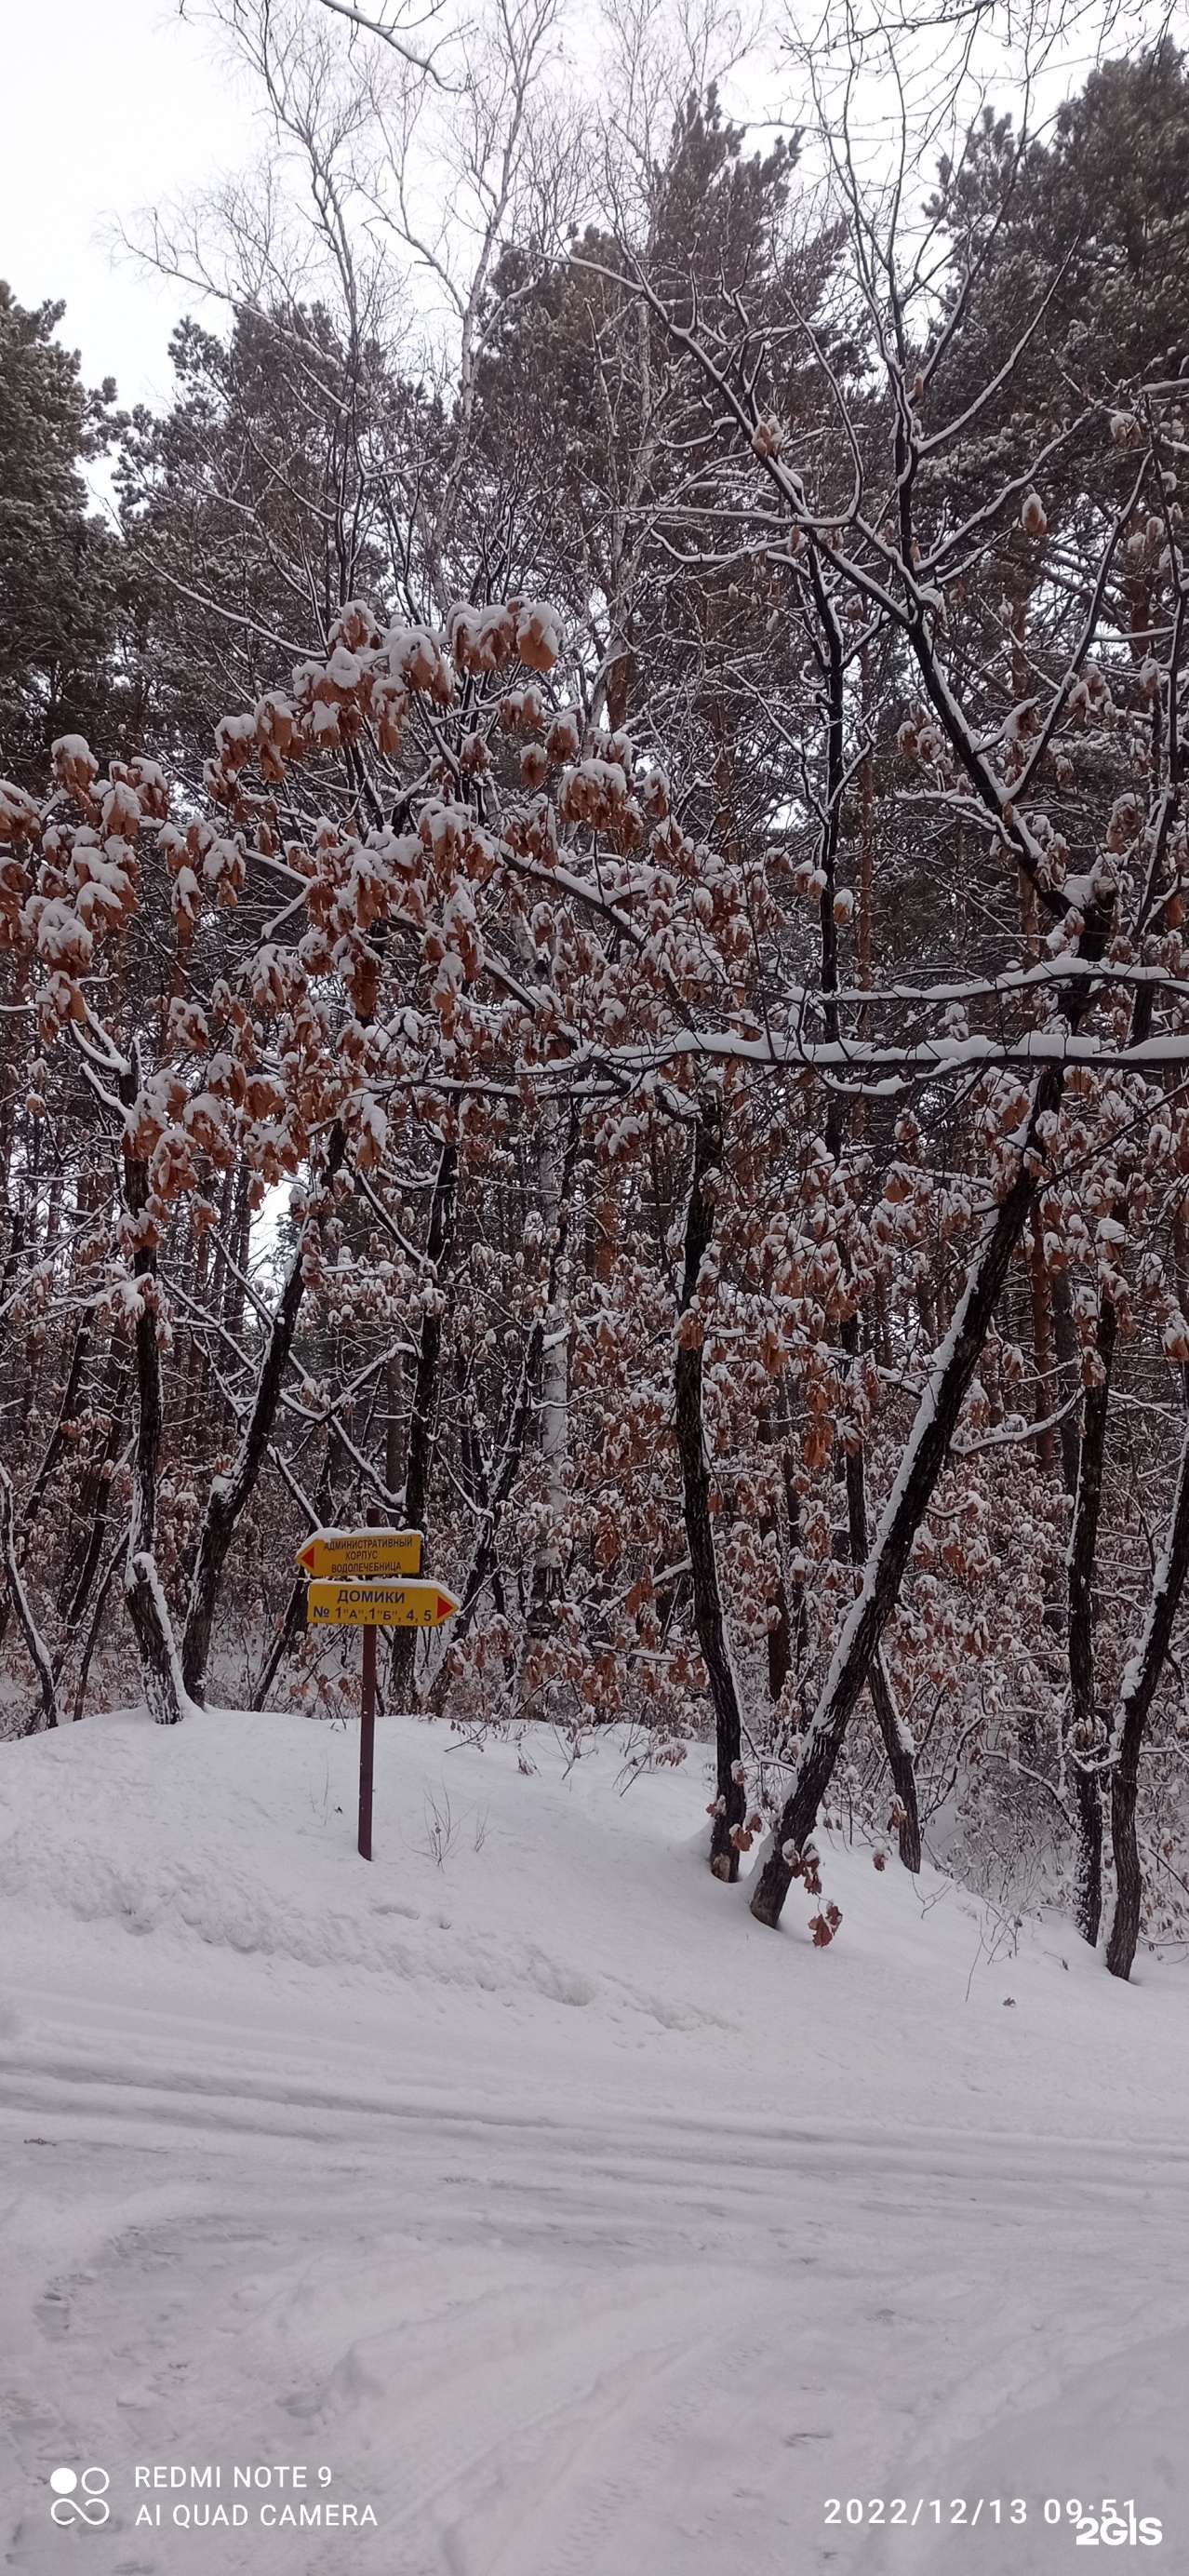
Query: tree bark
point(95, 1498)
point(780, 1632)
point(482, 1565)
point(230, 1493)
point(1083, 1544)
point(30, 1631)
point(901, 1753)
point(799, 1613)
point(295, 1608)
point(148, 1611)
point(730, 1802)
point(57, 1441)
point(423, 1421)
point(1044, 1353)
point(922, 1463)
point(1066, 1344)
point(897, 1742)
point(1140, 1676)
point(548, 1581)
point(92, 1636)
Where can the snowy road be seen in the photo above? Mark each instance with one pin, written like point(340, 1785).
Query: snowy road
point(546, 2323)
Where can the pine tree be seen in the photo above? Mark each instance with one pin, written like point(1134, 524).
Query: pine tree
point(59, 565)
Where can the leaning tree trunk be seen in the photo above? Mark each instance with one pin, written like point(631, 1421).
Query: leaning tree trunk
point(229, 1494)
point(897, 1742)
point(924, 1457)
point(730, 1802)
point(1140, 1676)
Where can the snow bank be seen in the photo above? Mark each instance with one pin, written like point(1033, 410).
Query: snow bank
point(520, 2190)
point(560, 1916)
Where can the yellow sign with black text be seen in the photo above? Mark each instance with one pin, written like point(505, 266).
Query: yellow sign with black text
point(379, 1605)
point(361, 1555)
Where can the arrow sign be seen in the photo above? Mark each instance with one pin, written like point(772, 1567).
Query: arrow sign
point(379, 1605)
point(362, 1555)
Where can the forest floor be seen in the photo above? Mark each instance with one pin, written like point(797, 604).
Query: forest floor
point(572, 2222)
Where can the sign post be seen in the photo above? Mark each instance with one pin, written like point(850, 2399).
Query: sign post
point(351, 1587)
point(367, 1742)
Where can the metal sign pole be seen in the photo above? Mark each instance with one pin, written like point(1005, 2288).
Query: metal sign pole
point(367, 1721)
point(350, 1587)
point(367, 1742)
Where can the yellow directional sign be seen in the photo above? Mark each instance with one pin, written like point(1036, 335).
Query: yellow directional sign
point(379, 1605)
point(365, 1555)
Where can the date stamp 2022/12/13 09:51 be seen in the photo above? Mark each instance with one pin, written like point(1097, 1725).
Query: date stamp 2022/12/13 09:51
point(1109, 2524)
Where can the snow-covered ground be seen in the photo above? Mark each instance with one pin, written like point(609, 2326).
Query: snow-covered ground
point(571, 2222)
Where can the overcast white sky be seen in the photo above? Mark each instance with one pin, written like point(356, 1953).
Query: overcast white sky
point(111, 105)
point(116, 105)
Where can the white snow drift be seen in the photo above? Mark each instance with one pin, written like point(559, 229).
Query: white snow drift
point(572, 2223)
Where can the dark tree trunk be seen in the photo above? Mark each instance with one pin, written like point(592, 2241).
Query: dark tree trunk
point(283, 1642)
point(1142, 1673)
point(95, 1499)
point(55, 1447)
point(483, 1562)
point(295, 1607)
point(229, 1494)
point(730, 1803)
point(79, 1356)
point(1082, 1744)
point(147, 1609)
point(799, 1613)
point(92, 1636)
point(38, 1651)
point(494, 1497)
point(925, 1456)
point(423, 1421)
point(1044, 1353)
point(780, 1631)
point(898, 1746)
point(1068, 1363)
point(897, 1742)
point(239, 1248)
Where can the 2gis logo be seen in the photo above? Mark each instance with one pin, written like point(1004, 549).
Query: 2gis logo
point(80, 2498)
point(1113, 2527)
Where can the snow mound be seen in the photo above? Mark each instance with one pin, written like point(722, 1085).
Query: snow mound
point(521, 2187)
point(211, 1868)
